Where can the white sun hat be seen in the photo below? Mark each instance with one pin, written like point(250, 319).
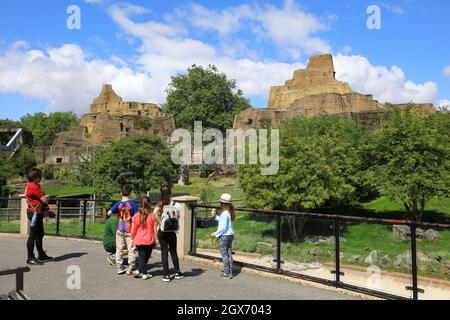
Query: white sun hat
point(226, 198)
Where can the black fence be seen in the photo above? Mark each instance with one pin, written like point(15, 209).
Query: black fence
point(68, 217)
point(336, 223)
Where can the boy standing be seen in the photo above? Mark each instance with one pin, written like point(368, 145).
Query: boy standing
point(37, 203)
point(109, 238)
point(125, 210)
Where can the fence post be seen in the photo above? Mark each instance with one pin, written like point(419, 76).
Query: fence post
point(337, 246)
point(58, 217)
point(24, 222)
point(184, 244)
point(193, 247)
point(278, 261)
point(414, 288)
point(84, 217)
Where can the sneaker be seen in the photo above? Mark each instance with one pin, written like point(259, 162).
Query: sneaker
point(224, 276)
point(147, 276)
point(44, 258)
point(129, 271)
point(166, 279)
point(137, 275)
point(111, 261)
point(121, 270)
point(34, 262)
point(179, 276)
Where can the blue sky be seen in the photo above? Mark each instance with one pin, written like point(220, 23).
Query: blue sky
point(137, 45)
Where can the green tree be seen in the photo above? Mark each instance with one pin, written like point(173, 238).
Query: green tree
point(204, 95)
point(45, 127)
point(10, 124)
point(23, 160)
point(412, 158)
point(320, 163)
point(7, 170)
point(142, 161)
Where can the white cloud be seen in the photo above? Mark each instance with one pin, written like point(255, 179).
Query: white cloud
point(394, 8)
point(444, 103)
point(66, 78)
point(289, 27)
point(446, 71)
point(386, 84)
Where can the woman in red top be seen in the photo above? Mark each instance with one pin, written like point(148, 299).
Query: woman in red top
point(37, 203)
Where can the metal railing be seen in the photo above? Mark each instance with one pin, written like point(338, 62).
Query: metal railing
point(19, 273)
point(337, 272)
point(84, 213)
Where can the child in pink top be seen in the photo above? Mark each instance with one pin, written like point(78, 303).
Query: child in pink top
point(143, 235)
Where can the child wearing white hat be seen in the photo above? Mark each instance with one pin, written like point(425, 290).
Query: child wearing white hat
point(225, 233)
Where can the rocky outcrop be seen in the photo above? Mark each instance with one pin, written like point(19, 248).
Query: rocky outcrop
point(109, 118)
point(315, 91)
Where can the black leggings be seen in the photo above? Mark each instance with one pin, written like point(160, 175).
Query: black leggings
point(36, 236)
point(168, 242)
point(145, 252)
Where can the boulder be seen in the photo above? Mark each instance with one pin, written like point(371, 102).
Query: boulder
point(401, 232)
point(431, 235)
point(315, 251)
point(405, 260)
point(263, 247)
point(386, 260)
point(355, 258)
point(372, 258)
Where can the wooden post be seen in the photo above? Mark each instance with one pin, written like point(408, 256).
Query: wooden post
point(184, 235)
point(24, 222)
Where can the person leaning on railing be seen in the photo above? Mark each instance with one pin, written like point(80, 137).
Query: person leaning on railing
point(37, 203)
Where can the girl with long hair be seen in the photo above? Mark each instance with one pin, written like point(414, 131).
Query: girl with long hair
point(143, 235)
point(168, 239)
point(225, 233)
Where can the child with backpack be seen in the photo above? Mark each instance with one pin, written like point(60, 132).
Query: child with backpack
point(125, 210)
point(143, 235)
point(167, 215)
point(225, 233)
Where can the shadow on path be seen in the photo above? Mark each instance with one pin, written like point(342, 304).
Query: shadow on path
point(69, 256)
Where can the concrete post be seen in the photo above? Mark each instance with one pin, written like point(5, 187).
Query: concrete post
point(184, 235)
point(24, 222)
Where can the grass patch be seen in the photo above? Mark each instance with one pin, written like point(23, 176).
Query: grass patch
point(67, 191)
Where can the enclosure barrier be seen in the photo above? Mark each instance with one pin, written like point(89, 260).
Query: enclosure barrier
point(19, 293)
point(188, 238)
point(337, 272)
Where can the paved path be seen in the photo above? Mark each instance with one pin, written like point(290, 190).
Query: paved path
point(99, 280)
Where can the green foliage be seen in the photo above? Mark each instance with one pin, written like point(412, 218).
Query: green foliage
point(63, 173)
point(204, 95)
point(10, 124)
point(411, 158)
point(320, 162)
point(146, 124)
point(45, 127)
point(142, 161)
point(23, 160)
point(48, 171)
point(7, 170)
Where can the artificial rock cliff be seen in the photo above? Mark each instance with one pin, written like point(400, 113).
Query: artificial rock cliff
point(109, 118)
point(316, 91)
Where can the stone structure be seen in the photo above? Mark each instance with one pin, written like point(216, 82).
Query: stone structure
point(315, 91)
point(109, 118)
